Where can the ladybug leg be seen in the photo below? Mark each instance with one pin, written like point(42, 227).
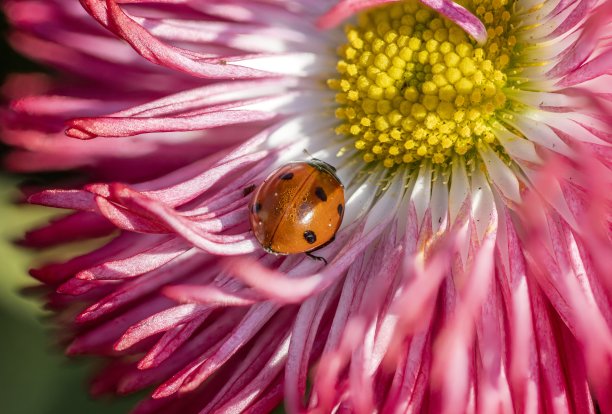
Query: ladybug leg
point(248, 190)
point(312, 256)
point(319, 258)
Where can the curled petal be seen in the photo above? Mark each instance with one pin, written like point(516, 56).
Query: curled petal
point(110, 15)
point(458, 14)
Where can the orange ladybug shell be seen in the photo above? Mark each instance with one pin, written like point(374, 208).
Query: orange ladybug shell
point(298, 208)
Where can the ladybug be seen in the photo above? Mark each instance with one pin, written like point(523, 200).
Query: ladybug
point(298, 208)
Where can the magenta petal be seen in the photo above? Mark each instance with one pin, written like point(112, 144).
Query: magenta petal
point(147, 215)
point(76, 226)
point(159, 322)
point(300, 348)
point(140, 287)
point(126, 220)
point(57, 272)
point(72, 199)
point(202, 344)
point(110, 15)
point(524, 370)
point(191, 187)
point(345, 9)
point(87, 128)
point(138, 264)
point(198, 371)
point(170, 342)
point(261, 366)
point(583, 47)
point(408, 387)
point(209, 294)
point(594, 68)
point(461, 16)
point(442, 294)
point(458, 14)
point(101, 338)
point(282, 288)
point(270, 399)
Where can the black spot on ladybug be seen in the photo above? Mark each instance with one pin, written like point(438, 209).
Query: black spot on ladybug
point(320, 192)
point(256, 207)
point(248, 190)
point(310, 236)
point(287, 176)
point(340, 209)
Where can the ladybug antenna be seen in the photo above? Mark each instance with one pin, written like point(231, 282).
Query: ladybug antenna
point(320, 164)
point(312, 158)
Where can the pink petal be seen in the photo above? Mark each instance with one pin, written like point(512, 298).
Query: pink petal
point(170, 342)
point(209, 294)
point(136, 265)
point(136, 289)
point(88, 128)
point(260, 368)
point(70, 228)
point(280, 287)
point(303, 337)
point(458, 14)
point(192, 376)
point(110, 15)
point(202, 344)
point(159, 322)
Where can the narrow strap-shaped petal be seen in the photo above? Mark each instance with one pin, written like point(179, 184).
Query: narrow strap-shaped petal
point(493, 387)
point(170, 342)
point(166, 218)
point(72, 199)
point(263, 362)
point(142, 262)
point(76, 226)
point(203, 344)
point(209, 295)
point(100, 340)
point(350, 297)
point(160, 322)
point(198, 371)
point(408, 387)
point(524, 369)
point(88, 128)
point(109, 14)
point(598, 66)
point(279, 286)
point(53, 273)
point(303, 336)
point(136, 289)
point(554, 388)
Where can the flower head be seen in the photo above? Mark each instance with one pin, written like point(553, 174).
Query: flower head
point(470, 272)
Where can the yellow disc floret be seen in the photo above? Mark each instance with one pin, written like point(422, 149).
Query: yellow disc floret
point(414, 86)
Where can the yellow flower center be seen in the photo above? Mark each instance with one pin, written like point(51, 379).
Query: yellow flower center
point(414, 86)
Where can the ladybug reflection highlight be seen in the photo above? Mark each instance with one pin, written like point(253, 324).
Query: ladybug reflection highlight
point(298, 208)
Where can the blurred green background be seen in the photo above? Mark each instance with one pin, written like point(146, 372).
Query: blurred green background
point(35, 377)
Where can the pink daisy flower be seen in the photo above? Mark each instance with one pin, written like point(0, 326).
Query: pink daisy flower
point(471, 271)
